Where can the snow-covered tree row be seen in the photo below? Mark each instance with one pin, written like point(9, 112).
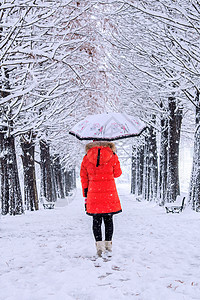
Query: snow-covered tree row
point(61, 60)
point(153, 54)
point(49, 74)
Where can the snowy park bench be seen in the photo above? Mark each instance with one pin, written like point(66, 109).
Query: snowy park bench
point(138, 198)
point(48, 205)
point(175, 208)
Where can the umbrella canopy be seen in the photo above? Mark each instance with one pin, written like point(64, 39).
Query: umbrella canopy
point(108, 126)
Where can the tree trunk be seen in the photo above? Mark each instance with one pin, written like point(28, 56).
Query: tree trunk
point(133, 170)
point(194, 195)
point(11, 197)
point(46, 189)
point(163, 161)
point(175, 120)
point(66, 185)
point(146, 170)
point(69, 181)
point(153, 163)
point(4, 176)
point(53, 179)
point(150, 173)
point(30, 187)
point(74, 178)
point(58, 177)
point(139, 170)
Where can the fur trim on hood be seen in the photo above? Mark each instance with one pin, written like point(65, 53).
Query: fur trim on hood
point(100, 144)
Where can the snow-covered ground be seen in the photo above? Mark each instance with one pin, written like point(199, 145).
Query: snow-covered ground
point(49, 254)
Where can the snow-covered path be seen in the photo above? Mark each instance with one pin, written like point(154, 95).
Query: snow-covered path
point(49, 254)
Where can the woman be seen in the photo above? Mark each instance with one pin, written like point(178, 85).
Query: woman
point(99, 167)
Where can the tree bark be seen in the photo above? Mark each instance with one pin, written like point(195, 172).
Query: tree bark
point(163, 161)
point(58, 177)
point(150, 175)
point(146, 170)
point(11, 197)
point(175, 120)
point(70, 181)
point(194, 194)
point(139, 170)
point(30, 187)
point(133, 170)
point(74, 178)
point(4, 176)
point(153, 162)
point(46, 189)
point(67, 183)
point(53, 179)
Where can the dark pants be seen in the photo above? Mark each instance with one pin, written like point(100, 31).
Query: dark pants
point(108, 221)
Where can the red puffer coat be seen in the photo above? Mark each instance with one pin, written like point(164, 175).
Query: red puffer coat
point(98, 169)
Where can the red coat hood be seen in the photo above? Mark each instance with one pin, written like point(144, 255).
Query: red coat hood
point(105, 151)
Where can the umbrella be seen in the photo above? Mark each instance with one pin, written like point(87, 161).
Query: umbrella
point(108, 126)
